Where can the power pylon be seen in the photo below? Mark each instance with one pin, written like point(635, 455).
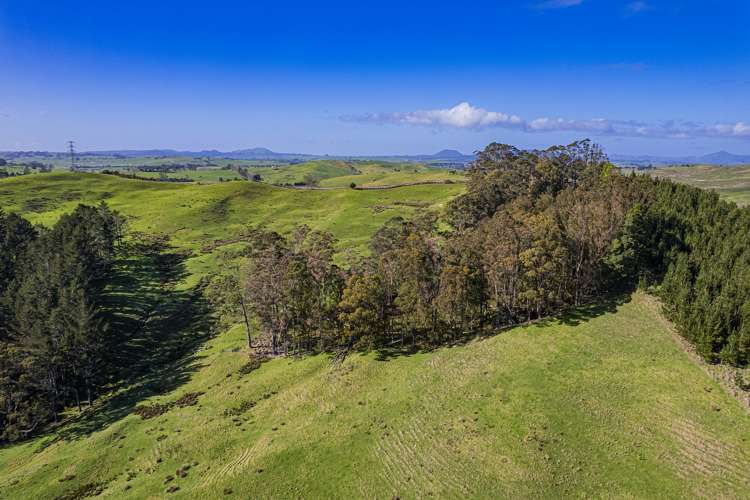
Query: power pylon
point(72, 151)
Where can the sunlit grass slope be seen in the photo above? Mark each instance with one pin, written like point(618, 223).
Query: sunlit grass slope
point(198, 175)
point(337, 173)
point(601, 403)
point(379, 174)
point(318, 170)
point(732, 183)
point(194, 215)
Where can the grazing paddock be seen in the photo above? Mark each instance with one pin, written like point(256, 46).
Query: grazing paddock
point(732, 183)
point(600, 402)
point(196, 216)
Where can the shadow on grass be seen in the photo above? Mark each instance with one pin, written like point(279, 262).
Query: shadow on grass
point(156, 328)
point(581, 314)
point(573, 316)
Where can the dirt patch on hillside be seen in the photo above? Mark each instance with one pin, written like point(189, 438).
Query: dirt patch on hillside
point(154, 410)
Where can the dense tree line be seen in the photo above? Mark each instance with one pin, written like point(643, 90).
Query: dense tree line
point(536, 232)
point(53, 344)
point(701, 246)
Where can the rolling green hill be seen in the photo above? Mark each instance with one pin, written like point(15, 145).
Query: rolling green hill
point(601, 402)
point(317, 170)
point(340, 174)
point(195, 215)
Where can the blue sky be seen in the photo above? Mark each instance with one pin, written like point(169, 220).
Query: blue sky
point(652, 77)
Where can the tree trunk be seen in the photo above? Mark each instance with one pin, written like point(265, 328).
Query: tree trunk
point(247, 323)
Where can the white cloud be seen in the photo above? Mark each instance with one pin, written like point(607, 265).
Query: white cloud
point(466, 116)
point(462, 115)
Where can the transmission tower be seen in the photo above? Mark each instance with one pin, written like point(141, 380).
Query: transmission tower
point(72, 151)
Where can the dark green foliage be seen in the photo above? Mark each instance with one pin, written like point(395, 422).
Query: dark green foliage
point(537, 231)
point(15, 235)
point(53, 340)
point(362, 309)
point(502, 173)
point(701, 247)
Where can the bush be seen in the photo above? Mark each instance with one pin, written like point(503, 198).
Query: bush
point(252, 365)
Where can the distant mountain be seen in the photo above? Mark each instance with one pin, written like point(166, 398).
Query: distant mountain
point(265, 154)
point(444, 157)
point(724, 158)
point(449, 153)
point(447, 157)
point(133, 153)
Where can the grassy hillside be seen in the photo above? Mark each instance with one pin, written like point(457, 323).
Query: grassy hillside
point(602, 402)
point(379, 174)
point(732, 183)
point(289, 174)
point(599, 403)
point(326, 173)
point(207, 175)
point(194, 215)
point(340, 174)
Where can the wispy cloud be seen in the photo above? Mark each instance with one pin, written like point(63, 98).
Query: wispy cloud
point(466, 116)
point(637, 7)
point(557, 4)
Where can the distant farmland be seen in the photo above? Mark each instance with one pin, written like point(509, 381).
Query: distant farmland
point(732, 183)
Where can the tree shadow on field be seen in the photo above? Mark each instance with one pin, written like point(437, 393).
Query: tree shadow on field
point(156, 328)
point(586, 312)
point(573, 316)
point(386, 353)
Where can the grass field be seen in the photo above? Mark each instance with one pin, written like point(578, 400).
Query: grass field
point(601, 402)
point(379, 174)
point(340, 174)
point(207, 175)
point(325, 173)
point(732, 183)
point(290, 174)
point(194, 215)
point(62, 161)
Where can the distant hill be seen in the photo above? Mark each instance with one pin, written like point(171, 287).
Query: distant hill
point(448, 153)
point(447, 156)
point(258, 154)
point(724, 158)
point(718, 158)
